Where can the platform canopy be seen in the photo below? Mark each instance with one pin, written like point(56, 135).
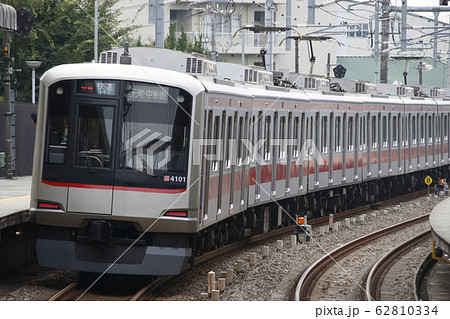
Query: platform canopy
point(8, 17)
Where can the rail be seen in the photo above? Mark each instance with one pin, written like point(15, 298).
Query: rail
point(310, 276)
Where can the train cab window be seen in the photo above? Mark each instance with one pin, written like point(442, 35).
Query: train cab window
point(59, 99)
point(155, 129)
point(94, 134)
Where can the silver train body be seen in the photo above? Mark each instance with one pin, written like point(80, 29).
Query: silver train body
point(136, 167)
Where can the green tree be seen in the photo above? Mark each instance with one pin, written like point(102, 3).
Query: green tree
point(182, 42)
point(198, 45)
point(170, 42)
point(63, 32)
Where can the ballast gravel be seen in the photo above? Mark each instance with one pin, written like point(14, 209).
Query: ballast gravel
point(272, 277)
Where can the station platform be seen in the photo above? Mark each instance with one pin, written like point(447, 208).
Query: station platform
point(440, 225)
point(14, 200)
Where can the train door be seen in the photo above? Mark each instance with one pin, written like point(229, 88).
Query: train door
point(92, 156)
point(446, 140)
point(302, 153)
point(280, 157)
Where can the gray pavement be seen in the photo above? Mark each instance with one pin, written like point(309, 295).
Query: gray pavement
point(14, 198)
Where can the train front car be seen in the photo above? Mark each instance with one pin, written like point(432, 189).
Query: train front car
point(111, 178)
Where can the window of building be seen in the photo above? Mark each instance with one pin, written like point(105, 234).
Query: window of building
point(358, 30)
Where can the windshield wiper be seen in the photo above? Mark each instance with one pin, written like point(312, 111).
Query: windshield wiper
point(86, 153)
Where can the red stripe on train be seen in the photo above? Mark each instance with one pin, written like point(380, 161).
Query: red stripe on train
point(119, 188)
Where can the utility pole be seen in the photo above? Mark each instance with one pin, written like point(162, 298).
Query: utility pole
point(404, 24)
point(269, 19)
point(95, 31)
point(288, 23)
point(376, 42)
point(156, 16)
point(7, 97)
point(448, 58)
point(384, 41)
point(213, 37)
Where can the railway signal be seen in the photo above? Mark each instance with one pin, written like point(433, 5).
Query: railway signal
point(24, 20)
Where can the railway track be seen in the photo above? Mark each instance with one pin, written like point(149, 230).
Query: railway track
point(76, 292)
point(152, 290)
point(311, 276)
point(374, 280)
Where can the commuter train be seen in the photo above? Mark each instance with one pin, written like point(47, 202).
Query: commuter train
point(139, 169)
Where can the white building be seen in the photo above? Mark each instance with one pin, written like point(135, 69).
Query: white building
point(351, 26)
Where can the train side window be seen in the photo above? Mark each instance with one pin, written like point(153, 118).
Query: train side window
point(384, 132)
point(267, 144)
point(430, 129)
point(338, 133)
point(324, 135)
point(438, 128)
point(302, 129)
point(350, 134)
point(240, 148)
point(374, 132)
point(254, 129)
point(282, 138)
point(362, 133)
point(228, 141)
point(244, 139)
point(445, 128)
point(414, 130)
point(422, 130)
point(295, 137)
point(59, 98)
point(216, 146)
point(394, 131)
point(404, 131)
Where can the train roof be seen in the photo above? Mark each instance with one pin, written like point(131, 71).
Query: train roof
point(122, 72)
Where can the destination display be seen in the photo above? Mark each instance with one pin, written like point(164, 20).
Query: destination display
point(149, 93)
point(97, 87)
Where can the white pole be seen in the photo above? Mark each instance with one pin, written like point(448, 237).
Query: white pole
point(96, 31)
point(33, 85)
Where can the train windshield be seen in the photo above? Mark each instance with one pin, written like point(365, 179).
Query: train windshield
point(155, 129)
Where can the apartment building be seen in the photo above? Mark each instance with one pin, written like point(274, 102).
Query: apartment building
point(350, 27)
